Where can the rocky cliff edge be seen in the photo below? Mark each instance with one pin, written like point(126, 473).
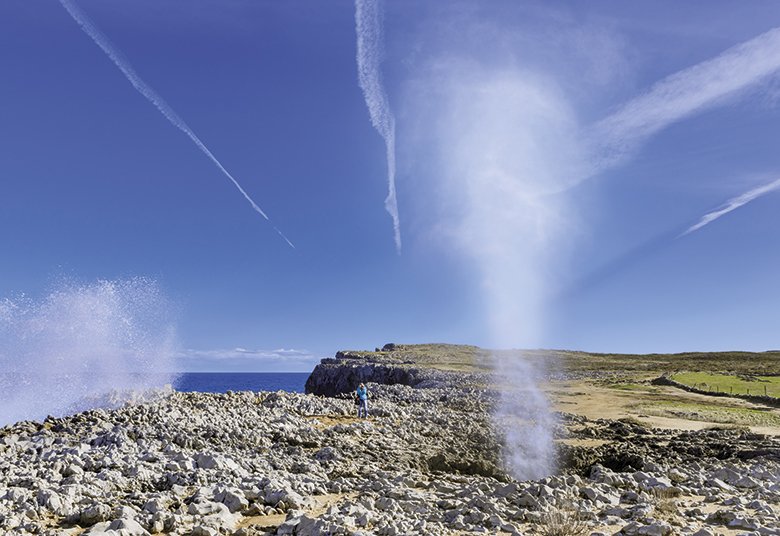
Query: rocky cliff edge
point(422, 366)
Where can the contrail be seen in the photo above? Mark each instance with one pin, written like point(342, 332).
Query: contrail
point(683, 94)
point(686, 92)
point(152, 96)
point(733, 204)
point(368, 27)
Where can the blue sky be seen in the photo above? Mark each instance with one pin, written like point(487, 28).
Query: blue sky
point(514, 230)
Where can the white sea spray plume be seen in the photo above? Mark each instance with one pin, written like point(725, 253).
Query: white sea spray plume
point(82, 346)
point(116, 56)
point(368, 28)
point(524, 414)
point(500, 140)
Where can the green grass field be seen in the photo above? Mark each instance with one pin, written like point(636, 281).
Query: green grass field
point(725, 383)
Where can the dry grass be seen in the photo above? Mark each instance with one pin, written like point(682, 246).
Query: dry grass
point(719, 412)
point(667, 507)
point(563, 522)
point(448, 357)
point(472, 358)
point(753, 363)
point(664, 494)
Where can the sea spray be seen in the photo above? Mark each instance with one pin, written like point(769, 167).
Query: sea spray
point(495, 144)
point(523, 415)
point(83, 345)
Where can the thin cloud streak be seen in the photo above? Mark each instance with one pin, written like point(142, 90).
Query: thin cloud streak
point(246, 360)
point(672, 99)
point(281, 354)
point(684, 93)
point(733, 204)
point(152, 96)
point(368, 28)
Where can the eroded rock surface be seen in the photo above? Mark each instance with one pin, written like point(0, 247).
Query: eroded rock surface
point(426, 462)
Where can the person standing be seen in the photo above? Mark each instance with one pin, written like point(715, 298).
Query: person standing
point(361, 394)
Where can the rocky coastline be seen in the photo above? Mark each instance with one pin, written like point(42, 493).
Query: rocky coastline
point(427, 461)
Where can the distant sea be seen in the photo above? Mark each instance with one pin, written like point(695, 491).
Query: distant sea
point(221, 382)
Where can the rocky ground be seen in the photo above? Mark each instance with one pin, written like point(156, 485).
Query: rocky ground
point(426, 462)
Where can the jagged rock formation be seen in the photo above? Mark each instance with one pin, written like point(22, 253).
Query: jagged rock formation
point(342, 374)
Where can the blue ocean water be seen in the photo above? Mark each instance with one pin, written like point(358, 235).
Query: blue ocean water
point(221, 382)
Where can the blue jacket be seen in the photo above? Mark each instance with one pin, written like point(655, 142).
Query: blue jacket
point(362, 393)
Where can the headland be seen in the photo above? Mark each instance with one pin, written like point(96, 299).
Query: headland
point(634, 456)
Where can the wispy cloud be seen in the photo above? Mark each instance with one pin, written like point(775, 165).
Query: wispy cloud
point(684, 93)
point(244, 353)
point(243, 359)
point(733, 204)
point(152, 96)
point(368, 27)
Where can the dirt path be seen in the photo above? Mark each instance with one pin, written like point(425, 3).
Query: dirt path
point(321, 504)
point(328, 421)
